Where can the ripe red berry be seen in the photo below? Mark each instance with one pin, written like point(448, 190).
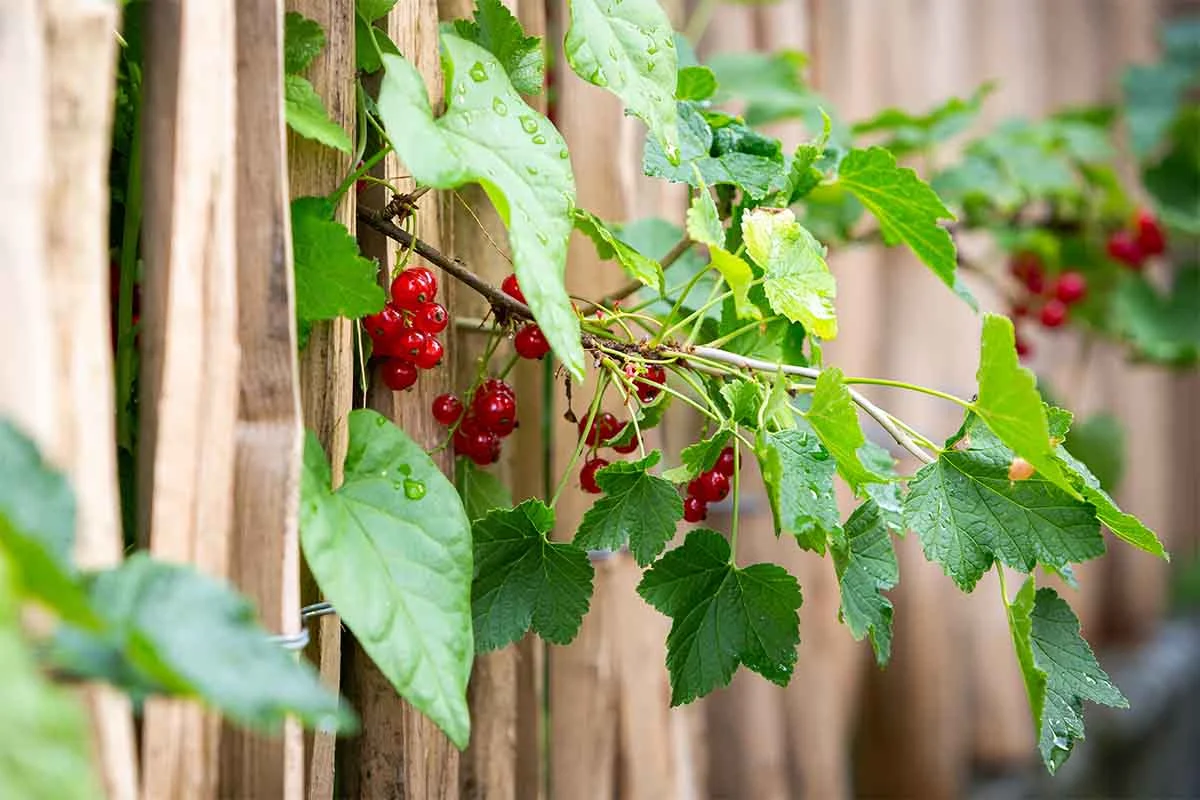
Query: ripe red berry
point(431, 354)
point(531, 343)
point(398, 375)
point(587, 475)
point(1151, 239)
point(1024, 347)
point(1070, 287)
point(714, 486)
point(447, 408)
point(412, 287)
point(694, 509)
point(628, 447)
point(607, 427)
point(387, 324)
point(725, 463)
point(693, 487)
point(1024, 265)
point(431, 318)
point(650, 385)
point(1053, 314)
point(511, 288)
point(494, 386)
point(593, 433)
point(1019, 310)
point(482, 447)
point(409, 345)
point(496, 412)
point(1123, 247)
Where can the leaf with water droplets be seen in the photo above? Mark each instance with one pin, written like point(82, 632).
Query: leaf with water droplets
point(391, 550)
point(722, 616)
point(495, 29)
point(460, 148)
point(797, 473)
point(865, 561)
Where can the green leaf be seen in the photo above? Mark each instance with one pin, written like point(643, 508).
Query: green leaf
point(835, 420)
point(803, 176)
point(332, 279)
point(372, 10)
point(306, 115)
point(1009, 402)
point(698, 457)
point(704, 226)
point(628, 48)
point(636, 507)
point(797, 280)
point(911, 132)
point(496, 30)
point(722, 616)
point(609, 247)
point(391, 550)
point(772, 87)
point(798, 474)
point(703, 221)
point(886, 495)
point(968, 513)
point(695, 83)
point(865, 561)
point(1153, 94)
point(744, 398)
point(1060, 671)
point(525, 581)
point(1099, 443)
point(528, 180)
point(303, 40)
point(907, 209)
point(1161, 326)
point(481, 491)
point(370, 43)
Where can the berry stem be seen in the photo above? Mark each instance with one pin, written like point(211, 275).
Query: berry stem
point(353, 177)
point(593, 410)
point(733, 522)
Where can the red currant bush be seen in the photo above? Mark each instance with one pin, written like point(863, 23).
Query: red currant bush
point(413, 287)
point(531, 343)
point(649, 386)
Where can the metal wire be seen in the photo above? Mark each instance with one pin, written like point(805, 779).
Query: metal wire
point(298, 641)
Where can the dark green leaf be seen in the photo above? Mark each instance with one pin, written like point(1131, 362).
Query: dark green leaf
point(1162, 327)
point(332, 279)
point(636, 507)
point(886, 495)
point(610, 247)
point(835, 420)
point(865, 561)
point(1099, 442)
point(481, 491)
point(370, 43)
point(306, 114)
point(1153, 94)
point(303, 39)
point(695, 83)
point(496, 30)
point(798, 475)
point(698, 457)
point(372, 10)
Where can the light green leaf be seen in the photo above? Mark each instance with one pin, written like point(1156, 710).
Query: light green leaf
point(637, 507)
point(695, 83)
point(698, 457)
point(391, 550)
point(798, 475)
point(525, 581)
point(1124, 526)
point(303, 40)
point(481, 491)
point(835, 419)
point(1099, 442)
point(910, 132)
point(744, 398)
point(306, 115)
point(374, 9)
point(704, 226)
point(496, 30)
point(528, 180)
point(907, 209)
point(609, 247)
point(886, 495)
point(703, 221)
point(332, 279)
point(797, 282)
point(1161, 326)
point(628, 48)
point(865, 561)
point(722, 616)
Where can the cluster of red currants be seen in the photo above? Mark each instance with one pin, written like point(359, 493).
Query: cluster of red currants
point(404, 333)
point(605, 431)
point(529, 342)
point(710, 486)
point(1050, 299)
point(492, 415)
point(1142, 240)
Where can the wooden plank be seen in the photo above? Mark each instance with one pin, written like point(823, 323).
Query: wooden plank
point(266, 545)
point(189, 362)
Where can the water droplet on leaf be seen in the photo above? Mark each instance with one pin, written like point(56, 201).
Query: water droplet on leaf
point(499, 107)
point(479, 72)
point(413, 490)
point(539, 139)
point(528, 123)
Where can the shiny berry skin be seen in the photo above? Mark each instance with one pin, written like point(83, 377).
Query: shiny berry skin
point(482, 447)
point(409, 345)
point(494, 386)
point(593, 433)
point(511, 288)
point(1024, 347)
point(693, 487)
point(431, 354)
point(645, 385)
point(387, 324)
point(447, 408)
point(587, 475)
point(725, 463)
point(607, 426)
point(694, 509)
point(1070, 287)
point(431, 318)
point(531, 343)
point(495, 412)
point(470, 424)
point(714, 486)
point(1053, 314)
point(398, 375)
point(412, 287)
point(1123, 247)
point(1150, 237)
point(628, 447)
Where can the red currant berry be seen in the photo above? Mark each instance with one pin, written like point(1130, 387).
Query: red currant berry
point(607, 427)
point(387, 324)
point(412, 287)
point(628, 447)
point(531, 343)
point(496, 413)
point(1024, 347)
point(431, 355)
point(447, 408)
point(1070, 287)
point(482, 447)
point(693, 487)
point(650, 385)
point(470, 424)
point(496, 386)
point(1123, 247)
point(593, 434)
point(714, 486)
point(398, 375)
point(1151, 239)
point(725, 463)
point(431, 318)
point(587, 475)
point(694, 509)
point(1019, 310)
point(511, 288)
point(1053, 314)
point(409, 345)
point(1024, 264)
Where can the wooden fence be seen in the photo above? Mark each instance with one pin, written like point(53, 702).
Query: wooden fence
point(224, 400)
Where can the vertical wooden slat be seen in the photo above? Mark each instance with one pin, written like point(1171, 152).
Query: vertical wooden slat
point(266, 548)
point(189, 339)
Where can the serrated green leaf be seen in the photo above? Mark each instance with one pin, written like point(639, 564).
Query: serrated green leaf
point(797, 473)
point(529, 180)
point(797, 280)
point(909, 132)
point(332, 279)
point(524, 581)
point(834, 417)
point(968, 513)
point(391, 550)
point(1020, 626)
point(609, 247)
point(1099, 443)
point(374, 9)
point(803, 176)
point(907, 209)
point(481, 491)
point(303, 40)
point(628, 48)
point(865, 561)
point(695, 83)
point(496, 30)
point(636, 507)
point(743, 398)
point(306, 114)
point(722, 616)
point(703, 221)
point(698, 457)
point(704, 226)
point(370, 43)
point(1009, 402)
point(1124, 526)
point(772, 88)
